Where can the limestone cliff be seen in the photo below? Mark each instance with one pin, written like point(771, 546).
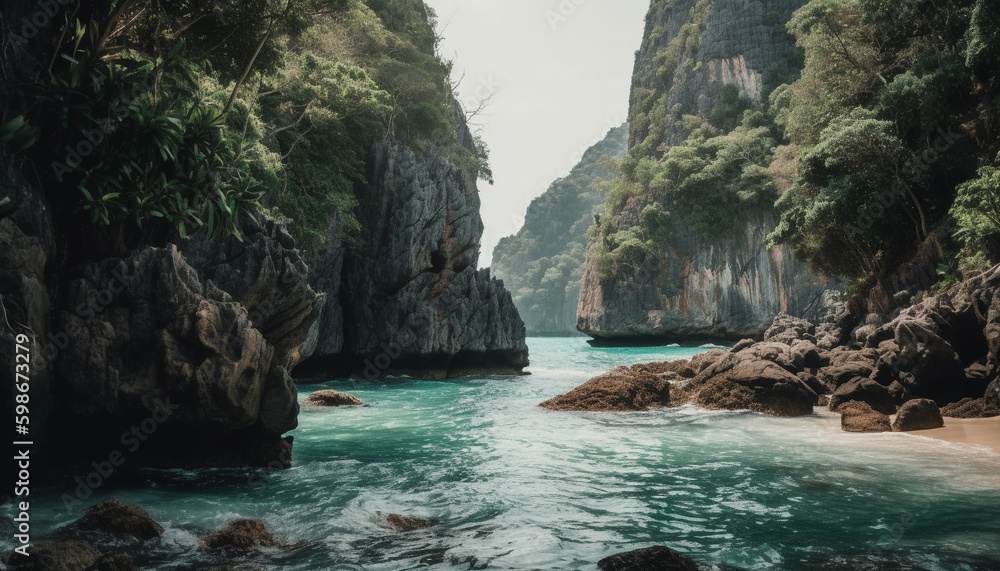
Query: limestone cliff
point(693, 284)
point(409, 298)
point(542, 264)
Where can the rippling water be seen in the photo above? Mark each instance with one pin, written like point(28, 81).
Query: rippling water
point(513, 486)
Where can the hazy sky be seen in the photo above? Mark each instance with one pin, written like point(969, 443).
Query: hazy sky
point(560, 72)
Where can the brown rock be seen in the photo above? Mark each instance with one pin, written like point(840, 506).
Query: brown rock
point(899, 393)
point(681, 369)
point(858, 416)
point(406, 523)
point(918, 414)
point(620, 389)
point(970, 408)
point(863, 390)
point(119, 519)
point(56, 556)
point(240, 534)
point(657, 558)
point(760, 386)
point(702, 361)
point(331, 398)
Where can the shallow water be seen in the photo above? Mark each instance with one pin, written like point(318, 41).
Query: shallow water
point(513, 486)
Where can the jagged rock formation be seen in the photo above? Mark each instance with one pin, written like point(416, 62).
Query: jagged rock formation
point(199, 338)
point(694, 286)
point(409, 295)
point(542, 265)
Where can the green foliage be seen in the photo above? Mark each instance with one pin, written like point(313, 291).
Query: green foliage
point(879, 125)
point(977, 216)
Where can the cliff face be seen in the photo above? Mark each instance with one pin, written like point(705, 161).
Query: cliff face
point(542, 264)
point(731, 289)
point(409, 296)
point(691, 47)
point(693, 285)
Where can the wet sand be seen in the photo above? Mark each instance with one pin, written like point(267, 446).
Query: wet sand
point(979, 431)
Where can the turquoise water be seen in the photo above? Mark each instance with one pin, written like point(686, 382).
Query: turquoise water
point(513, 486)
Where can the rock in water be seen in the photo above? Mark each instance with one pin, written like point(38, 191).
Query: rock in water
point(240, 534)
point(406, 523)
point(620, 389)
point(113, 517)
point(656, 558)
point(857, 416)
point(56, 556)
point(918, 414)
point(866, 391)
point(331, 398)
point(114, 562)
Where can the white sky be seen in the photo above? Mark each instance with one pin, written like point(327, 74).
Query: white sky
point(560, 72)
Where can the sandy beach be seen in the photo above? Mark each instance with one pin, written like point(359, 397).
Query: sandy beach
point(979, 431)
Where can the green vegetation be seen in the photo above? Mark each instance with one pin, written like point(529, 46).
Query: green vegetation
point(891, 127)
point(542, 265)
point(888, 135)
point(179, 116)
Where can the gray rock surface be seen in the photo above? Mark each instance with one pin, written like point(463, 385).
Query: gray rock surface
point(411, 290)
point(725, 288)
point(918, 414)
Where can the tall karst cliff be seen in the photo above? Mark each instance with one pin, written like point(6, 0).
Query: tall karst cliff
point(542, 264)
point(681, 250)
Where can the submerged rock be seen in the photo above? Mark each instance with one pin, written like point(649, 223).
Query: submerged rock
point(406, 523)
point(620, 389)
point(240, 534)
point(331, 398)
point(918, 414)
point(119, 519)
point(657, 558)
point(114, 562)
point(857, 416)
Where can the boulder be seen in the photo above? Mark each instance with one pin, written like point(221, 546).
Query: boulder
point(657, 558)
point(788, 329)
point(918, 414)
point(56, 556)
point(741, 345)
point(760, 386)
point(702, 361)
point(807, 353)
point(970, 408)
point(331, 398)
point(680, 369)
point(406, 523)
point(866, 391)
point(992, 396)
point(620, 389)
point(927, 364)
point(857, 416)
point(240, 534)
point(126, 521)
point(839, 375)
point(899, 393)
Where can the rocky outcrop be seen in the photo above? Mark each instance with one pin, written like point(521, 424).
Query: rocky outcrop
point(57, 556)
point(620, 389)
point(858, 416)
point(331, 398)
point(542, 264)
point(649, 558)
point(203, 363)
point(757, 385)
point(693, 286)
point(918, 414)
point(863, 390)
point(121, 520)
point(412, 298)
